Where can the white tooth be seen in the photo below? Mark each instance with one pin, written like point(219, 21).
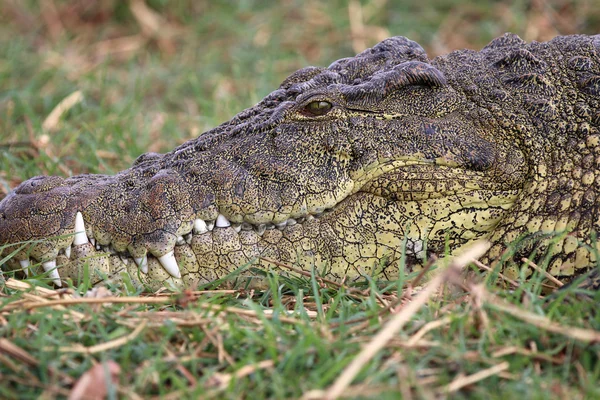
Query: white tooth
point(80, 236)
point(180, 240)
point(50, 267)
point(310, 218)
point(222, 222)
point(261, 229)
point(93, 242)
point(124, 259)
point(188, 238)
point(68, 251)
point(291, 222)
point(170, 264)
point(237, 227)
point(98, 246)
point(200, 226)
point(281, 225)
point(142, 263)
point(25, 266)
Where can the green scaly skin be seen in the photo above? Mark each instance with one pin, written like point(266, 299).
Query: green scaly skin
point(341, 165)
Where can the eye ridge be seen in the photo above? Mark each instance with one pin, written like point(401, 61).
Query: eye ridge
point(318, 108)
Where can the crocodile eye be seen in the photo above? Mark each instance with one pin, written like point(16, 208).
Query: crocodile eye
point(318, 107)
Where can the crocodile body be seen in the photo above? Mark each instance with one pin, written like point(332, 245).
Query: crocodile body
point(348, 168)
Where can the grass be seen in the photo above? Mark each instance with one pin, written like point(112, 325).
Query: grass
point(144, 89)
point(298, 339)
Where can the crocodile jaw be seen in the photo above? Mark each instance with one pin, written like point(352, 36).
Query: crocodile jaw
point(329, 236)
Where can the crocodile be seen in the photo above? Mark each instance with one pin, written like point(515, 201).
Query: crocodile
point(368, 166)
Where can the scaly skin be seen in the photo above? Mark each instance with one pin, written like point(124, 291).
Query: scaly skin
point(377, 149)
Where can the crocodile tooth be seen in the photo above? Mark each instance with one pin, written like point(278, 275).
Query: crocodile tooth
point(124, 259)
point(200, 226)
point(188, 238)
point(418, 246)
point(222, 222)
point(93, 242)
point(68, 251)
point(170, 264)
point(98, 246)
point(210, 225)
point(261, 229)
point(246, 226)
point(142, 263)
point(281, 225)
point(25, 266)
point(310, 218)
point(291, 222)
point(80, 236)
point(50, 267)
point(237, 227)
point(180, 241)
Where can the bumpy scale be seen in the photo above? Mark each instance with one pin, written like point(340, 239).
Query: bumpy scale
point(348, 167)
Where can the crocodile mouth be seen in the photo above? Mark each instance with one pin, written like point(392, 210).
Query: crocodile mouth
point(372, 180)
point(84, 235)
point(200, 227)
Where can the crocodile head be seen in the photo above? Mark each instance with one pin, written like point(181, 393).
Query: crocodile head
point(346, 167)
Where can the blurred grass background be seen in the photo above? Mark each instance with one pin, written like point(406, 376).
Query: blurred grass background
point(155, 73)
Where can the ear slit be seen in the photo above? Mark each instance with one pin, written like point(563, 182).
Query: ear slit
point(381, 85)
point(419, 73)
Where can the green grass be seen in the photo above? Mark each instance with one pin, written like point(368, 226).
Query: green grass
point(298, 337)
point(152, 91)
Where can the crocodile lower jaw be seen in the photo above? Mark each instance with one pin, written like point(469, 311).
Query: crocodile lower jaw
point(167, 260)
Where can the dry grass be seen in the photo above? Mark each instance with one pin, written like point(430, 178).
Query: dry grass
point(400, 330)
